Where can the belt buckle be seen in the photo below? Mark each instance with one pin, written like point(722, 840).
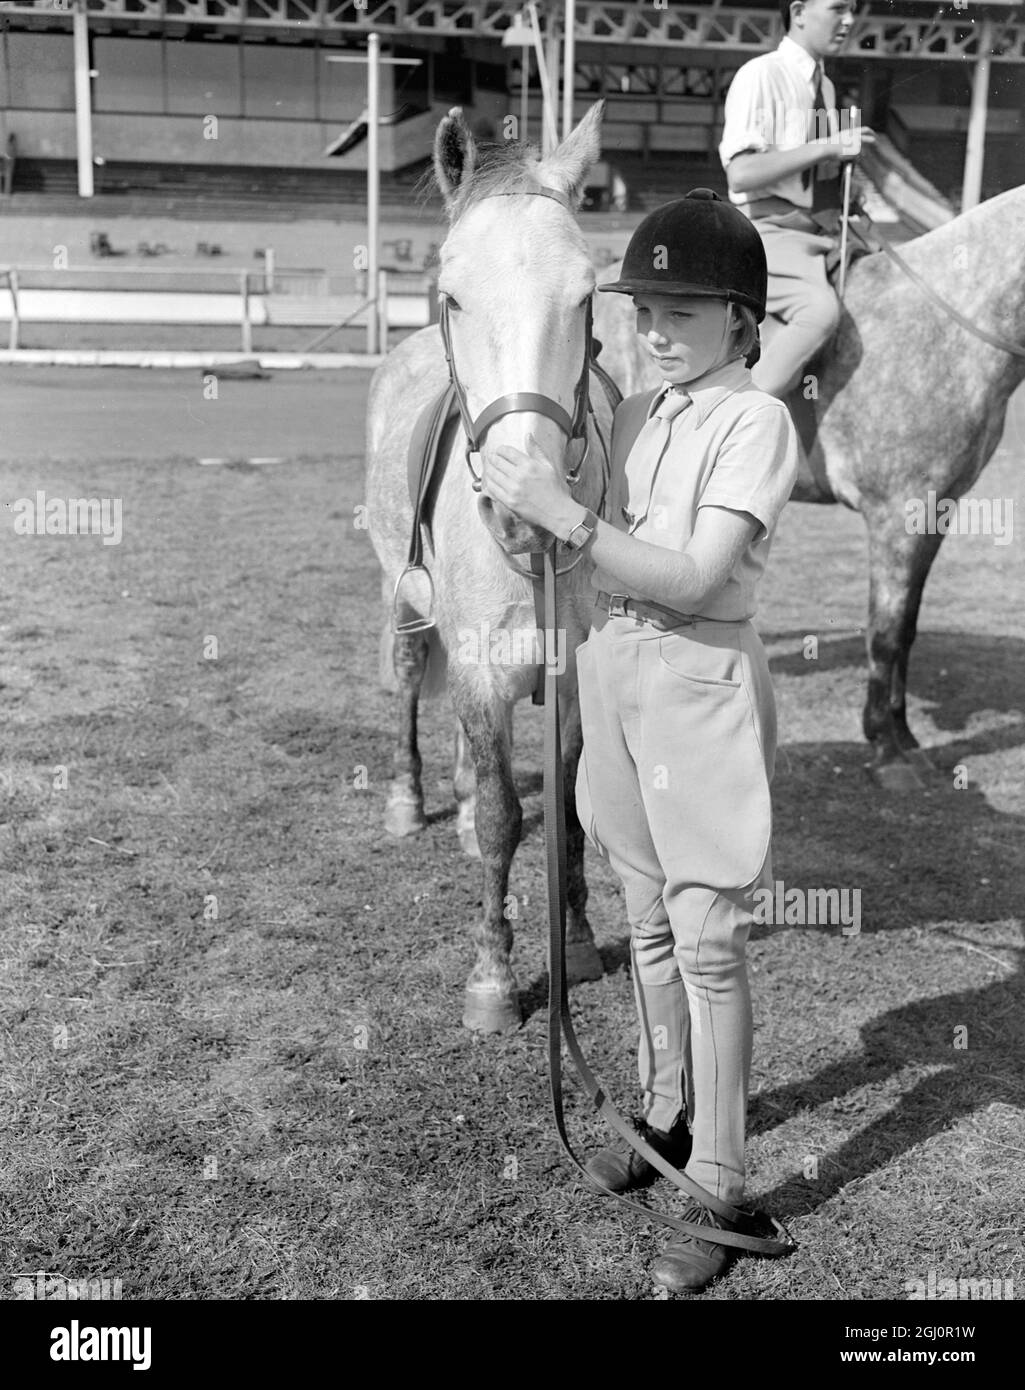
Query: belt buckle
point(617, 605)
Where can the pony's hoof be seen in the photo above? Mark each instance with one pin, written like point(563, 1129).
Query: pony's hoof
point(899, 776)
point(487, 1012)
point(582, 962)
point(404, 818)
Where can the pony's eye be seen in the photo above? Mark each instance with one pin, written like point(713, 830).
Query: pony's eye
point(451, 300)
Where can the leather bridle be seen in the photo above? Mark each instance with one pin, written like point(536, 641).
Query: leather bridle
point(515, 402)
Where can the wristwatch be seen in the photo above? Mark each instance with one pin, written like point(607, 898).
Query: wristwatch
point(583, 531)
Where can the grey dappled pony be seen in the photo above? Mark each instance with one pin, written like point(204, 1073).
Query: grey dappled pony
point(518, 277)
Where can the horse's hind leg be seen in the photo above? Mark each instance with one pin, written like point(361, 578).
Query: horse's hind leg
point(899, 564)
point(925, 554)
point(491, 1001)
point(582, 959)
point(404, 813)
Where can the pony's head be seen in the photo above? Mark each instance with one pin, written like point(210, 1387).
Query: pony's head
point(518, 278)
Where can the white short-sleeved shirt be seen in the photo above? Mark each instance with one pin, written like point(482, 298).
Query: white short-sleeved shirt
point(770, 105)
point(734, 446)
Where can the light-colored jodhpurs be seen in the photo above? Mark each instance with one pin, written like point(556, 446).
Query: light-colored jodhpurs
point(799, 293)
point(673, 790)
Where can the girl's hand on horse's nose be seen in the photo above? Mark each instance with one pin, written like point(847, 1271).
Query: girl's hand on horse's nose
point(525, 483)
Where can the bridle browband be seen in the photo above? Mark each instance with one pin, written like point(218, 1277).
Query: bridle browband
point(573, 426)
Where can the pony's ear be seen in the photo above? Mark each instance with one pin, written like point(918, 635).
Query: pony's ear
point(455, 155)
point(567, 165)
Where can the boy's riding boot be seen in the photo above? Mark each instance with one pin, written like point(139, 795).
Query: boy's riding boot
point(688, 1265)
point(620, 1167)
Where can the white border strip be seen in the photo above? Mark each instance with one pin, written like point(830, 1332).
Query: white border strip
point(280, 361)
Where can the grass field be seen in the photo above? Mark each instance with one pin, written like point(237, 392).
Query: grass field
point(233, 1063)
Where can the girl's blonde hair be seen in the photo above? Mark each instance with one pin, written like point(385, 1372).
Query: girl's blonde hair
point(746, 342)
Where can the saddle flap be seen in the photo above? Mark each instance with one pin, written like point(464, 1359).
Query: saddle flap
point(423, 472)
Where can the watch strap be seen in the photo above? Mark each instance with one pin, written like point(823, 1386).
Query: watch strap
point(588, 524)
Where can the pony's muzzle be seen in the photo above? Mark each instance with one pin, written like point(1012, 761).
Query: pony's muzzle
point(512, 534)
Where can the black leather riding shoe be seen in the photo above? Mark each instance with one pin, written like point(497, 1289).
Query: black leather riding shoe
point(688, 1265)
point(621, 1168)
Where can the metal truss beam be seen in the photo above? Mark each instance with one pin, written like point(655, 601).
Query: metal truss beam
point(696, 27)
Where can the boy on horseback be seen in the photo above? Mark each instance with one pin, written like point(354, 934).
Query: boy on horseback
point(676, 702)
point(782, 150)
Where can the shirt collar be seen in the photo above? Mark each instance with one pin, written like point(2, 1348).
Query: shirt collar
point(712, 388)
point(797, 57)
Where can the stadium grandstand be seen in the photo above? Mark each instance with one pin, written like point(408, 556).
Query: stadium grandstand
point(235, 98)
point(132, 130)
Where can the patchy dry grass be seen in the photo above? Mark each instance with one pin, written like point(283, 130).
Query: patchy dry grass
point(187, 1107)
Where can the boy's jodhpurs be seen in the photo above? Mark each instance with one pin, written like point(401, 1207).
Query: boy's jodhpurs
point(798, 293)
point(672, 789)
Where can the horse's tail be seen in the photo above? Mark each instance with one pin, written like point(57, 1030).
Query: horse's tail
point(435, 675)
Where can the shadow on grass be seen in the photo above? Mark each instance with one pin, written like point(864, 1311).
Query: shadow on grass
point(615, 959)
point(954, 674)
point(943, 855)
point(987, 1068)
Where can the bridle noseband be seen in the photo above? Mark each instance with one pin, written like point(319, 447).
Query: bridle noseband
point(573, 426)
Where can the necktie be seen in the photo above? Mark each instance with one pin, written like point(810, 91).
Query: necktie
point(826, 191)
point(646, 456)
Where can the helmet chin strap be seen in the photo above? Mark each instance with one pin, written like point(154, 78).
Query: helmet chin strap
point(719, 360)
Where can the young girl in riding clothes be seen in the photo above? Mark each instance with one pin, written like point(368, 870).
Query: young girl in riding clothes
point(676, 702)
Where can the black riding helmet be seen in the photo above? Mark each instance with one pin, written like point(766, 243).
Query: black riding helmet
point(697, 245)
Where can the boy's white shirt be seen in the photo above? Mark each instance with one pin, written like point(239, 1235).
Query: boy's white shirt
point(769, 106)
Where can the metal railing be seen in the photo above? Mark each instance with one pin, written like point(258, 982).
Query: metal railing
point(222, 295)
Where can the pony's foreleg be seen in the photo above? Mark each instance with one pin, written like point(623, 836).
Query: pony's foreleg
point(582, 959)
point(899, 564)
point(464, 784)
point(404, 813)
point(491, 1001)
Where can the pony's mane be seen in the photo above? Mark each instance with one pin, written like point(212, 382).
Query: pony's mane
point(509, 166)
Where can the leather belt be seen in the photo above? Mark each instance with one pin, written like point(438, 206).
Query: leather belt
point(623, 606)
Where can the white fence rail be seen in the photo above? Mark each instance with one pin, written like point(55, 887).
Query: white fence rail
point(225, 296)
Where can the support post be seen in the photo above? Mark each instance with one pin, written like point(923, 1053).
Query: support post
point(247, 326)
point(524, 88)
point(382, 307)
point(569, 62)
point(83, 101)
point(552, 64)
point(373, 186)
point(549, 129)
point(975, 149)
point(12, 281)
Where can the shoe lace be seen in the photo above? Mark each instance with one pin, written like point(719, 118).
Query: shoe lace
point(700, 1215)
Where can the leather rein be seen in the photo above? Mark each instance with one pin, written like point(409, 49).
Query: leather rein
point(993, 339)
point(747, 1230)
